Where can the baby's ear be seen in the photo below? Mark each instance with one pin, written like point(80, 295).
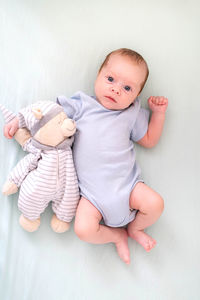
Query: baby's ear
point(37, 113)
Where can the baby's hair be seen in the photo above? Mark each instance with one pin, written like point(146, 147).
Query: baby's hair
point(136, 57)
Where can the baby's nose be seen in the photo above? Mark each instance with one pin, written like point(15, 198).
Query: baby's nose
point(116, 90)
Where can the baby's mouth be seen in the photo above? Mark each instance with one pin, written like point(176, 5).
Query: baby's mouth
point(111, 99)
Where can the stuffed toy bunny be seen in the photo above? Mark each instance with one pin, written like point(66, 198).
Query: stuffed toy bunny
point(47, 173)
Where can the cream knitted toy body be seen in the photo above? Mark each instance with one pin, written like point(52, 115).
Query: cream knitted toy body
point(47, 173)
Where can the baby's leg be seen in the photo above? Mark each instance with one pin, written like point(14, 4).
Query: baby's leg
point(150, 206)
point(87, 228)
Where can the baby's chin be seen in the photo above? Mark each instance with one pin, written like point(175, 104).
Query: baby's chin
point(108, 104)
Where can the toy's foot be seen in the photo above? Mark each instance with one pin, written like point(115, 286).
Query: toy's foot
point(58, 225)
point(9, 188)
point(29, 225)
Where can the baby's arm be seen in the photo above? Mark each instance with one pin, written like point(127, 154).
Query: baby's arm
point(12, 129)
point(158, 105)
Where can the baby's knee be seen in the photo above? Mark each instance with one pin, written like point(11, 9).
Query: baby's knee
point(83, 229)
point(158, 204)
point(80, 230)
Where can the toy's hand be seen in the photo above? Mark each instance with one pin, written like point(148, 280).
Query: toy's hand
point(22, 136)
point(158, 104)
point(11, 128)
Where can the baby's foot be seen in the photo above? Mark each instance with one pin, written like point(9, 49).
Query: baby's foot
point(143, 239)
point(122, 247)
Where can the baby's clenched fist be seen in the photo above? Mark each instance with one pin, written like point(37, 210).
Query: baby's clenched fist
point(158, 103)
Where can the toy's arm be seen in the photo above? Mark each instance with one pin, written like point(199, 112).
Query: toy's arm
point(24, 166)
point(28, 147)
point(22, 134)
point(21, 170)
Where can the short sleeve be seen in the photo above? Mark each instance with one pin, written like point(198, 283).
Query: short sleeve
point(141, 125)
point(71, 106)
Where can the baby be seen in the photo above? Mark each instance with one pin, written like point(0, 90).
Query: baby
point(110, 182)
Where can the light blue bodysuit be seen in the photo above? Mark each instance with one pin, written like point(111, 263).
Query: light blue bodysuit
point(104, 154)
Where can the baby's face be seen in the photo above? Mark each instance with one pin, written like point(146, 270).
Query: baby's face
point(119, 82)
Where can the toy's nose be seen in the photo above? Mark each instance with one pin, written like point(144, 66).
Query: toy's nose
point(68, 126)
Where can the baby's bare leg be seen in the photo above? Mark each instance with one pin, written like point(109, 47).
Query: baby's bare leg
point(150, 206)
point(88, 229)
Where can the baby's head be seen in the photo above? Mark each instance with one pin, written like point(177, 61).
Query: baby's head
point(121, 78)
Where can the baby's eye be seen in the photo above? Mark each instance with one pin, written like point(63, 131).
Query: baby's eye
point(127, 88)
point(110, 78)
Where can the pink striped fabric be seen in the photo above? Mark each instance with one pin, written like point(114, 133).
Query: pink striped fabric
point(51, 178)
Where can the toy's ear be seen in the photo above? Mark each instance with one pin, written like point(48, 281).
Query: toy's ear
point(37, 113)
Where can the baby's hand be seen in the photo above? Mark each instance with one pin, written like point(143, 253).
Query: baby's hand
point(158, 104)
point(11, 128)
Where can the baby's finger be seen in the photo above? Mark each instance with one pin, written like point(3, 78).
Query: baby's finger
point(155, 100)
point(150, 99)
point(12, 131)
point(162, 101)
point(159, 100)
point(6, 133)
point(165, 101)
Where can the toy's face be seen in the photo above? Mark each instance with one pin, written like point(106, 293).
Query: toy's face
point(56, 130)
